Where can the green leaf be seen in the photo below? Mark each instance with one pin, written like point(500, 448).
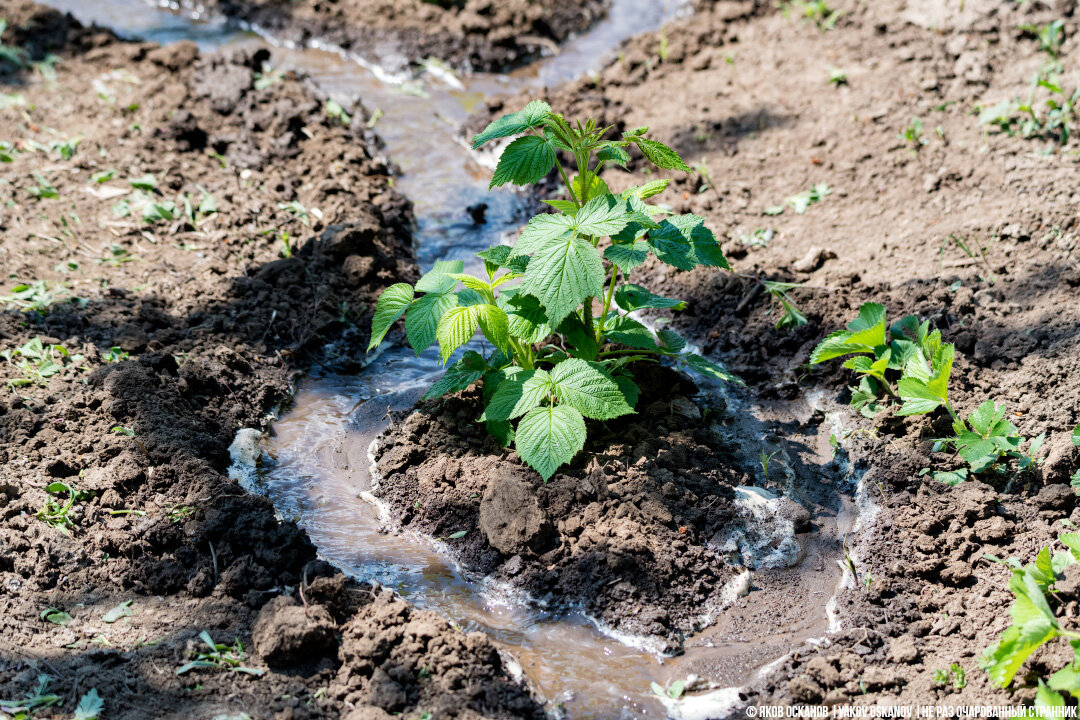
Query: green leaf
point(648, 190)
point(525, 161)
point(470, 368)
point(660, 154)
point(629, 256)
point(422, 320)
point(614, 154)
point(1076, 436)
point(628, 331)
point(455, 329)
point(567, 207)
point(708, 368)
point(515, 397)
point(601, 217)
point(569, 271)
point(501, 430)
point(684, 242)
point(147, 182)
point(515, 123)
point(541, 232)
point(55, 616)
point(90, 706)
point(527, 320)
point(392, 304)
point(437, 280)
point(589, 389)
point(549, 437)
point(863, 334)
point(634, 297)
point(122, 610)
point(582, 341)
point(495, 326)
point(671, 340)
point(630, 389)
point(918, 398)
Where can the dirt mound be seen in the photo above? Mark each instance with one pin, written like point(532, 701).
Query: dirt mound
point(637, 531)
point(191, 230)
point(468, 34)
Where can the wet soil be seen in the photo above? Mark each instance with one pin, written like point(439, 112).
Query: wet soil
point(469, 35)
point(761, 122)
point(212, 319)
point(632, 532)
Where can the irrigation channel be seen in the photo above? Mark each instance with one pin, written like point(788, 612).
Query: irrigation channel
point(316, 463)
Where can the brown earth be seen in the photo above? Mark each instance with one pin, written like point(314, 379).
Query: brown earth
point(469, 35)
point(211, 325)
point(758, 118)
point(632, 532)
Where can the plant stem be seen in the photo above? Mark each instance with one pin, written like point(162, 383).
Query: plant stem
point(607, 302)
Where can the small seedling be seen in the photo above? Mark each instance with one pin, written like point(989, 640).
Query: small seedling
point(56, 616)
point(790, 315)
point(837, 76)
point(817, 11)
point(44, 188)
point(673, 691)
point(57, 513)
point(1054, 118)
point(297, 210)
point(337, 113)
point(1034, 622)
point(38, 362)
point(985, 441)
point(1050, 36)
point(36, 699)
point(116, 355)
point(179, 513)
point(563, 336)
point(219, 656)
point(103, 176)
point(35, 297)
point(90, 706)
point(801, 202)
point(117, 256)
point(122, 610)
point(264, 80)
point(913, 135)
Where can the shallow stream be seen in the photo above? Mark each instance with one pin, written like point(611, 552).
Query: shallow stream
point(316, 461)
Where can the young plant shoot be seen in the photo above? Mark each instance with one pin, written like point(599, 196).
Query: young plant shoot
point(556, 305)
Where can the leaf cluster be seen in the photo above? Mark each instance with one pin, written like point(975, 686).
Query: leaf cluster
point(1035, 624)
point(909, 364)
point(57, 512)
point(1049, 112)
point(557, 306)
point(37, 362)
point(219, 656)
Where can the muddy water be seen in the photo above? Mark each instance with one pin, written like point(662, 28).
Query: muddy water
point(316, 463)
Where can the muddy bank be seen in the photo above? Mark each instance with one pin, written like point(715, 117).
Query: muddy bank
point(469, 35)
point(953, 221)
point(192, 231)
point(646, 531)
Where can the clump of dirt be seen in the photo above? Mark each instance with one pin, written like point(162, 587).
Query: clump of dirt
point(468, 34)
point(636, 531)
point(959, 224)
point(192, 231)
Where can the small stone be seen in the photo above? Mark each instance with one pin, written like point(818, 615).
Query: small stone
point(511, 517)
point(1056, 497)
point(992, 530)
point(683, 407)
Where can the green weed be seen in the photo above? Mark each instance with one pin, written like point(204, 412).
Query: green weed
point(837, 76)
point(1035, 624)
point(924, 365)
point(38, 362)
point(673, 691)
point(913, 135)
point(35, 297)
point(801, 202)
point(11, 57)
point(57, 513)
point(1049, 112)
point(43, 189)
point(36, 699)
point(219, 656)
point(337, 113)
point(817, 11)
point(554, 362)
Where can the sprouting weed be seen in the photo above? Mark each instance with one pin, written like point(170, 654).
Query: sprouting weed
point(38, 362)
point(116, 355)
point(35, 699)
point(673, 691)
point(913, 135)
point(801, 202)
point(117, 255)
point(1050, 112)
point(337, 113)
point(179, 513)
point(555, 363)
point(56, 512)
point(1050, 36)
point(10, 56)
point(837, 76)
point(35, 297)
point(219, 656)
point(297, 210)
point(44, 188)
point(985, 440)
point(1034, 624)
point(818, 11)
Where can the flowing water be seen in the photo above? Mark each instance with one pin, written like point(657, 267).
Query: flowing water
point(316, 460)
